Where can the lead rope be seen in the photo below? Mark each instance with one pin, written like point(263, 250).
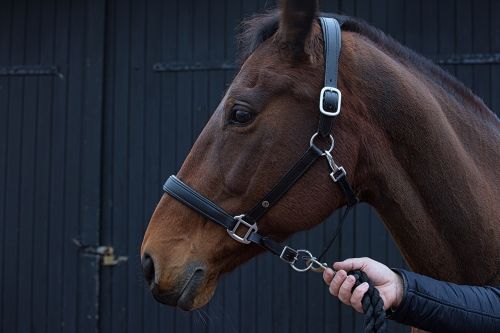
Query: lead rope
point(336, 233)
point(373, 305)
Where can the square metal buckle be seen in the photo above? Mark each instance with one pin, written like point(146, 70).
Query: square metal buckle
point(338, 174)
point(322, 98)
point(289, 255)
point(251, 228)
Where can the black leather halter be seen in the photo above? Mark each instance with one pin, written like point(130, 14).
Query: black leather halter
point(243, 228)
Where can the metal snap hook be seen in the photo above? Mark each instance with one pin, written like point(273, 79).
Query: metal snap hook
point(317, 267)
point(332, 143)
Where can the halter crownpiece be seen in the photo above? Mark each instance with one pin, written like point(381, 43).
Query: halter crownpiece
point(243, 228)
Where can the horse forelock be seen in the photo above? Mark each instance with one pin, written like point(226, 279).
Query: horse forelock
point(254, 31)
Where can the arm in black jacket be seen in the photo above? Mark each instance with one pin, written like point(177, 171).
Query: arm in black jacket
point(439, 306)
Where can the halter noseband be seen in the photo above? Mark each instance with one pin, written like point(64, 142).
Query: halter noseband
point(243, 228)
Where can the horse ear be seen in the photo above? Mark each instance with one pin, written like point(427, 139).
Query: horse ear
point(296, 21)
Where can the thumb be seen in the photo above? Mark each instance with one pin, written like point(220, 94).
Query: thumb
point(350, 264)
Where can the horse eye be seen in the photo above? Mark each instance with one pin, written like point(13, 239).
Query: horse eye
point(240, 116)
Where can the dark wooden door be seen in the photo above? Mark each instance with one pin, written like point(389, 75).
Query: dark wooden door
point(51, 76)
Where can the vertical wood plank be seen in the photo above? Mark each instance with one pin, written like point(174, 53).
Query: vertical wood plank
point(413, 27)
point(396, 19)
point(379, 14)
point(447, 37)
point(464, 39)
point(90, 177)
point(73, 165)
point(28, 167)
point(13, 199)
point(481, 27)
point(58, 175)
point(118, 166)
point(348, 7)
point(149, 319)
point(185, 33)
point(329, 6)
point(5, 42)
point(106, 300)
point(429, 24)
point(136, 158)
point(362, 9)
point(42, 177)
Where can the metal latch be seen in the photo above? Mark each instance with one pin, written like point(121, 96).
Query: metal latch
point(107, 253)
point(108, 257)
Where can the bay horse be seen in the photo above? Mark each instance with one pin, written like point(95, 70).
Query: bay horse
point(418, 146)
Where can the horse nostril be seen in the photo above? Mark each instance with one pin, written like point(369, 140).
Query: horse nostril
point(148, 267)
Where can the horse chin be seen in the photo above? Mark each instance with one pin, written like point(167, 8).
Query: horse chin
point(199, 301)
point(193, 295)
point(189, 302)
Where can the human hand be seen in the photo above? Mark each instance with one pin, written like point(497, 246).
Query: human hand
point(388, 283)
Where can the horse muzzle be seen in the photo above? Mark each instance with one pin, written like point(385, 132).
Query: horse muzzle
point(184, 289)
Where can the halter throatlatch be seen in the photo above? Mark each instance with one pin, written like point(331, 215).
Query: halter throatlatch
point(243, 227)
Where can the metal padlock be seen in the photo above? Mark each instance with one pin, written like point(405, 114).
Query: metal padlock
point(108, 257)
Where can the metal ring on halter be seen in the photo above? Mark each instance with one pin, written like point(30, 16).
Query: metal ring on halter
point(306, 258)
point(332, 143)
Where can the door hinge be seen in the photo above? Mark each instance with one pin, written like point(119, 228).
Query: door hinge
point(105, 252)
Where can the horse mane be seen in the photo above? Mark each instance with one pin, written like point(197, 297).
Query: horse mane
point(258, 28)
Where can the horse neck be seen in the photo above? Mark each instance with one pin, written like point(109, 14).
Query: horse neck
point(431, 170)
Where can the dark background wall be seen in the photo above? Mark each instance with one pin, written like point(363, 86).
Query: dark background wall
point(101, 100)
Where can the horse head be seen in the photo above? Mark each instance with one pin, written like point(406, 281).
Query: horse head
point(261, 126)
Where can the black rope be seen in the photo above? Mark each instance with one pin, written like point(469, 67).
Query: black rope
point(373, 305)
point(336, 233)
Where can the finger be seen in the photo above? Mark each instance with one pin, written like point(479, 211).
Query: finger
point(337, 281)
point(351, 264)
point(357, 296)
point(328, 275)
point(345, 290)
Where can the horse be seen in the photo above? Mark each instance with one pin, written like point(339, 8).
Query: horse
point(417, 145)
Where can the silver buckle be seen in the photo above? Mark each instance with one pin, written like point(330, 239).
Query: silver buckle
point(288, 249)
point(251, 228)
point(342, 174)
point(306, 261)
point(322, 97)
